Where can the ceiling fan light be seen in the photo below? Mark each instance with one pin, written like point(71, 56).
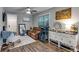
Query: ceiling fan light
point(28, 12)
point(28, 9)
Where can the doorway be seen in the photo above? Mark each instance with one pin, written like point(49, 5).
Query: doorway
point(12, 22)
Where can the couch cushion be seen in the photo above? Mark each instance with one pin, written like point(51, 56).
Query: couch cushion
point(5, 34)
point(10, 38)
point(1, 41)
point(37, 28)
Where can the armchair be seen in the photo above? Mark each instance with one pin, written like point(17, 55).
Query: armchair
point(34, 33)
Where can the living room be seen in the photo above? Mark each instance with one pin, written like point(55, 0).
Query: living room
point(18, 23)
point(63, 26)
point(43, 29)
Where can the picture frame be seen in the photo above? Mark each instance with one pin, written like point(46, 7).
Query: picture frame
point(26, 19)
point(22, 29)
point(63, 14)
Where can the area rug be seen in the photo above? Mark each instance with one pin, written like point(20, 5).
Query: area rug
point(25, 40)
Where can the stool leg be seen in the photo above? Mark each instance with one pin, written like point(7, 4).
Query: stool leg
point(59, 44)
point(75, 49)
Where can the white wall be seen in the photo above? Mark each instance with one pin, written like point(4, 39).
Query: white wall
point(20, 18)
point(12, 22)
point(75, 16)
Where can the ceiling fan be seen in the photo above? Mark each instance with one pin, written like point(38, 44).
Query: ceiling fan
point(30, 10)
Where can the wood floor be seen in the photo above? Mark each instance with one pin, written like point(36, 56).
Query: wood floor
point(38, 47)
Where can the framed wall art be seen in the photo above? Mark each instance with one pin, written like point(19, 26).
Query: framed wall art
point(63, 14)
point(22, 29)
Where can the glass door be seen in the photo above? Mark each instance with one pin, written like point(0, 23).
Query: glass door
point(44, 25)
point(43, 21)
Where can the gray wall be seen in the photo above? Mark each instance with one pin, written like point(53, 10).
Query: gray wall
point(1, 22)
point(51, 13)
point(20, 18)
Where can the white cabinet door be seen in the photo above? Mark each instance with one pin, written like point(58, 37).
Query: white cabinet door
point(66, 39)
point(53, 36)
point(12, 22)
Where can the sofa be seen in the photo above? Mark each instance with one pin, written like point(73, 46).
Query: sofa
point(34, 33)
point(4, 37)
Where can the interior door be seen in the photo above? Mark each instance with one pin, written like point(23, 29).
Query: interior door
point(12, 22)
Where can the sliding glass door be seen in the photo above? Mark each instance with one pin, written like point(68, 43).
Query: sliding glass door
point(44, 25)
point(44, 21)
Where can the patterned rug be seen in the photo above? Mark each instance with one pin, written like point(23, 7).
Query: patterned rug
point(33, 47)
point(24, 41)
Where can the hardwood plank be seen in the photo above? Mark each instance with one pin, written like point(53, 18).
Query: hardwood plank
point(38, 47)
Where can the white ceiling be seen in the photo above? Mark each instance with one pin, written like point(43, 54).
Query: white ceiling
point(21, 9)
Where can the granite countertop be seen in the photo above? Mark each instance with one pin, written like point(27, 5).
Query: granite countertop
point(66, 32)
